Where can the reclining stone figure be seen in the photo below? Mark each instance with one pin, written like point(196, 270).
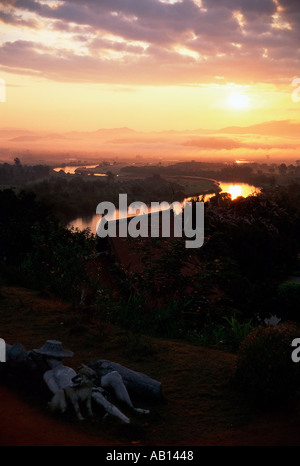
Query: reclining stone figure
point(78, 391)
point(67, 386)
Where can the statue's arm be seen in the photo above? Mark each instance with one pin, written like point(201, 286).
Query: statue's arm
point(59, 377)
point(50, 381)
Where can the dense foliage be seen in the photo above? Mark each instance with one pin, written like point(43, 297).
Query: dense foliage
point(219, 294)
point(212, 293)
point(38, 252)
point(18, 174)
point(265, 371)
point(250, 248)
point(71, 197)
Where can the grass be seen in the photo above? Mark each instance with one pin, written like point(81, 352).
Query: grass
point(199, 405)
point(194, 186)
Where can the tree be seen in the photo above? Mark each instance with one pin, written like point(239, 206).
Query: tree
point(110, 176)
point(17, 162)
point(282, 168)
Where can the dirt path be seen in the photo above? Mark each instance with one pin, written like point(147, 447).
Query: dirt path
point(25, 425)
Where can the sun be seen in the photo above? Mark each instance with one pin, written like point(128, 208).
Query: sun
point(238, 101)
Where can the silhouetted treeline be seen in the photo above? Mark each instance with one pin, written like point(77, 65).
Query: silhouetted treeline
point(76, 196)
point(252, 173)
point(18, 174)
point(251, 247)
point(36, 251)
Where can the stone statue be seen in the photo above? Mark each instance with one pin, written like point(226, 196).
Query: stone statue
point(69, 387)
point(78, 391)
point(66, 385)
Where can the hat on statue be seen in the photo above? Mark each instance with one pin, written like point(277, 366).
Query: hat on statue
point(54, 349)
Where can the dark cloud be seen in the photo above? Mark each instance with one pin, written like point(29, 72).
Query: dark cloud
point(254, 6)
point(233, 38)
point(16, 20)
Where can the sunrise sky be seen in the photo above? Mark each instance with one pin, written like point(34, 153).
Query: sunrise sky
point(152, 65)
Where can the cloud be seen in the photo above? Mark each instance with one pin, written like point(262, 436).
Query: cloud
point(214, 143)
point(227, 144)
point(150, 42)
point(9, 18)
point(283, 128)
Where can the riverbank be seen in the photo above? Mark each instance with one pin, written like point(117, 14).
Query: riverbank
point(194, 187)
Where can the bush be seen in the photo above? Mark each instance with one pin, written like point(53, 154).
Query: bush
point(265, 371)
point(56, 261)
point(228, 335)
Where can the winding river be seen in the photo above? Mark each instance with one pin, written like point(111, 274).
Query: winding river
point(235, 189)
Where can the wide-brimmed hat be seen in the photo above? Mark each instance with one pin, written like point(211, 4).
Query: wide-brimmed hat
point(53, 348)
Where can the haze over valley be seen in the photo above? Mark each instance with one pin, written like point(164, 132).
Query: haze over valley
point(272, 141)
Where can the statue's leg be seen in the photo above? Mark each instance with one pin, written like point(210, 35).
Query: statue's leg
point(72, 396)
point(58, 402)
point(89, 406)
point(109, 407)
point(114, 382)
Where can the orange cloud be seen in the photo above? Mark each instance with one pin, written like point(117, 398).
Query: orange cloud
point(151, 42)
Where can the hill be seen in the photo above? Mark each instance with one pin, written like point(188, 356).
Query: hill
point(199, 405)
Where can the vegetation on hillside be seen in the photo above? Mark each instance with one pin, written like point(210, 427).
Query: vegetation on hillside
point(215, 295)
point(250, 248)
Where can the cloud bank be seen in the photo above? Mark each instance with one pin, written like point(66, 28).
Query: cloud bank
point(161, 42)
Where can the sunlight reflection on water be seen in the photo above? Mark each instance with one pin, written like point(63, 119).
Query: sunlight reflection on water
point(71, 168)
point(235, 189)
point(238, 189)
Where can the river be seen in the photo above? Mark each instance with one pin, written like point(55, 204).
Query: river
point(235, 189)
point(71, 168)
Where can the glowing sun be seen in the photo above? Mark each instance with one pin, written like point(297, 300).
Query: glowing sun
point(238, 101)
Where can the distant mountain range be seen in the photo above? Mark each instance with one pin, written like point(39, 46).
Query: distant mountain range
point(266, 136)
point(284, 127)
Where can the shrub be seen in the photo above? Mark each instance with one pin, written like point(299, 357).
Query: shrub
point(134, 313)
point(56, 262)
point(265, 371)
point(227, 336)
